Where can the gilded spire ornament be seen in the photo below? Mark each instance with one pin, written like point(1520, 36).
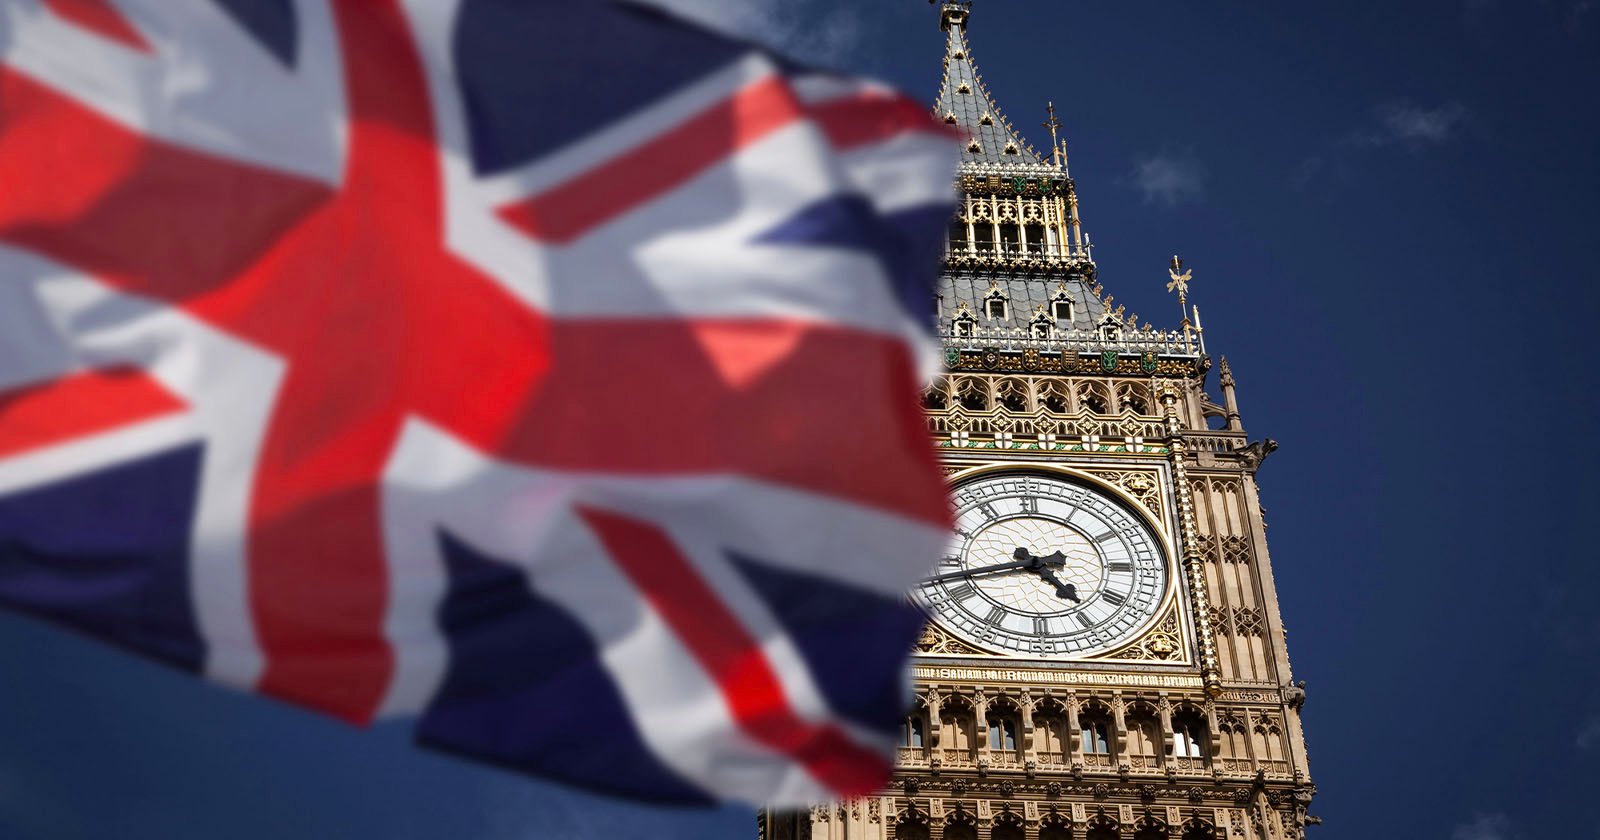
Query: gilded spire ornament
point(1054, 124)
point(1181, 275)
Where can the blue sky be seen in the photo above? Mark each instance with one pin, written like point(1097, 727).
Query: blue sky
point(1390, 210)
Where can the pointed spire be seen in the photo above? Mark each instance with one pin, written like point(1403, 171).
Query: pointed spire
point(964, 101)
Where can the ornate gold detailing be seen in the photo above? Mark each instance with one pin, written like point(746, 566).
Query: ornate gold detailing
point(1054, 360)
point(1046, 413)
point(935, 640)
point(1162, 643)
point(1142, 485)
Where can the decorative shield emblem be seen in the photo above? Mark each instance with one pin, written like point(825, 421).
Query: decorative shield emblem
point(991, 358)
point(952, 357)
point(1108, 361)
point(1147, 361)
point(1019, 183)
point(1030, 359)
point(1069, 361)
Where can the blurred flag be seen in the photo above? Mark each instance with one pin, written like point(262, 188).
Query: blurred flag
point(542, 372)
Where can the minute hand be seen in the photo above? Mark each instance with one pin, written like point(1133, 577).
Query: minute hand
point(1031, 563)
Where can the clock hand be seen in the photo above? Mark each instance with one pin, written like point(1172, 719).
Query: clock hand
point(981, 570)
point(1025, 560)
point(1063, 589)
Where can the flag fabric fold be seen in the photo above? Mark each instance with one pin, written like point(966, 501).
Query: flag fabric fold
point(540, 372)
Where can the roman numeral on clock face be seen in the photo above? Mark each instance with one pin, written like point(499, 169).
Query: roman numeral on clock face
point(1041, 626)
point(962, 591)
point(994, 616)
point(1116, 599)
point(1084, 620)
point(988, 511)
point(1119, 566)
point(1029, 504)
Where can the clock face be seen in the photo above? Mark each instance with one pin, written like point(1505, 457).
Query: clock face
point(1044, 566)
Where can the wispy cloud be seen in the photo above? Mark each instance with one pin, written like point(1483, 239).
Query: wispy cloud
point(1485, 827)
point(811, 30)
point(1589, 734)
point(1414, 126)
point(1169, 178)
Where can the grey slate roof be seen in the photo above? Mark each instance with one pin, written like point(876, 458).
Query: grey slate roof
point(1025, 294)
point(964, 96)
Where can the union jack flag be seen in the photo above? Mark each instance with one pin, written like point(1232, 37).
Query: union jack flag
point(542, 372)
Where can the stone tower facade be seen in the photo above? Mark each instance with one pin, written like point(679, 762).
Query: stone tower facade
point(1105, 656)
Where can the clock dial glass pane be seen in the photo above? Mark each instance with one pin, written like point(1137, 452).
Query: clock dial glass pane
point(1044, 566)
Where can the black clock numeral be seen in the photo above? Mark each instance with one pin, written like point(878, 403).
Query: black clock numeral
point(1116, 599)
point(1106, 537)
point(1084, 620)
point(994, 616)
point(1041, 626)
point(1119, 566)
point(988, 511)
point(962, 591)
point(1029, 504)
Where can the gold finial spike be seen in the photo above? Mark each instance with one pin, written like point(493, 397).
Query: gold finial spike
point(1054, 123)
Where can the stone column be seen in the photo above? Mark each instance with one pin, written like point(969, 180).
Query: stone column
point(1189, 547)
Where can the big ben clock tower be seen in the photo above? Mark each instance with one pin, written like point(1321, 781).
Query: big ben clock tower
point(1105, 656)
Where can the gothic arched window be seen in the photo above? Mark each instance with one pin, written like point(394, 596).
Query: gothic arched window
point(973, 393)
point(1013, 395)
point(1053, 396)
point(1050, 736)
point(959, 829)
point(956, 734)
point(1035, 234)
point(1188, 735)
point(1055, 827)
point(1144, 736)
point(1002, 734)
point(914, 732)
point(1102, 832)
point(1096, 734)
point(911, 827)
point(958, 235)
point(1007, 827)
point(1010, 237)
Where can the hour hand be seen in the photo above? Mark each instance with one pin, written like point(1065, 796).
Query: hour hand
point(1064, 590)
point(1055, 559)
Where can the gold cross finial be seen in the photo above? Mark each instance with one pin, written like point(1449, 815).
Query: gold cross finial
point(1053, 124)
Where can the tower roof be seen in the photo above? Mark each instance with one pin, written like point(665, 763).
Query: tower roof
point(964, 101)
